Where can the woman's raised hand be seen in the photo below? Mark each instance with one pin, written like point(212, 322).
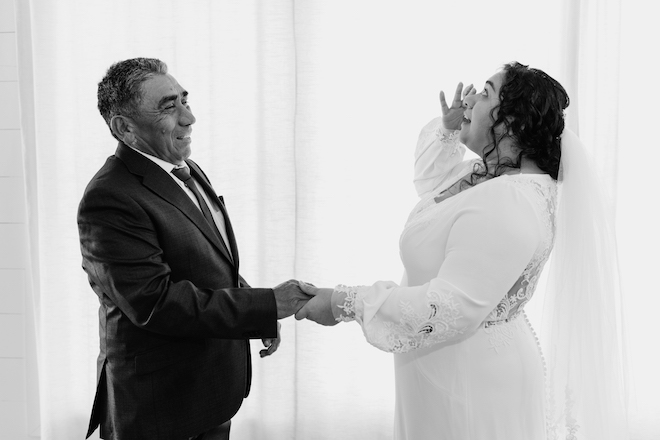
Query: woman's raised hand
point(453, 116)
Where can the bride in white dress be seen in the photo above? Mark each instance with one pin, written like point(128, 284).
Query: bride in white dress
point(468, 365)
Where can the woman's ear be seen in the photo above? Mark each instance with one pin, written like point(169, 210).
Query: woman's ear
point(122, 128)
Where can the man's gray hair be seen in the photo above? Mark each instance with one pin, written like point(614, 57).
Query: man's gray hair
point(119, 91)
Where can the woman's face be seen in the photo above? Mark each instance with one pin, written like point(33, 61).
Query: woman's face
point(477, 121)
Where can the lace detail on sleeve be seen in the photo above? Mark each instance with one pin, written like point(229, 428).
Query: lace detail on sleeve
point(451, 139)
point(436, 154)
point(438, 323)
point(445, 144)
point(348, 304)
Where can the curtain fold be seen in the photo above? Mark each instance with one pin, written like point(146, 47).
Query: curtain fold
point(32, 285)
point(595, 60)
point(592, 52)
point(264, 208)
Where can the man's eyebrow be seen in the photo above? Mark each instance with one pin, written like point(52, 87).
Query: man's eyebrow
point(165, 99)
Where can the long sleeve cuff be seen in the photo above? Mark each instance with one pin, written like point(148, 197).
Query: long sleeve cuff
point(343, 303)
point(437, 152)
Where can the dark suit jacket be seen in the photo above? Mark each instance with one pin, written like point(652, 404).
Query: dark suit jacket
point(175, 317)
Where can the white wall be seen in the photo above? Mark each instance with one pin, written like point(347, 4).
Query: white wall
point(13, 240)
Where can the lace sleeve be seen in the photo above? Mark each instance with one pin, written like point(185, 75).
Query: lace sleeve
point(437, 152)
point(343, 302)
point(435, 320)
point(479, 267)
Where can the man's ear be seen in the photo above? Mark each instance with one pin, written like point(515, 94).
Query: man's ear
point(122, 128)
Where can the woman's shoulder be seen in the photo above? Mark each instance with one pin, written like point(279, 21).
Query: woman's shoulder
point(513, 192)
point(517, 183)
point(533, 185)
point(518, 206)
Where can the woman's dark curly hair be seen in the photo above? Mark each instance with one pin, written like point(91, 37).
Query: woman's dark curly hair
point(531, 111)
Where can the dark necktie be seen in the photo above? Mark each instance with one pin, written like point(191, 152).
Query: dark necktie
point(183, 174)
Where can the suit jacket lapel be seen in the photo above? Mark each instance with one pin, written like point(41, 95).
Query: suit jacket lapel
point(157, 180)
point(199, 175)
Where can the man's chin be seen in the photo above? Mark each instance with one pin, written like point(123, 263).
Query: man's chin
point(184, 151)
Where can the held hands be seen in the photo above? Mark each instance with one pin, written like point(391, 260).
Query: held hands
point(303, 299)
point(306, 301)
point(319, 307)
point(453, 116)
point(289, 298)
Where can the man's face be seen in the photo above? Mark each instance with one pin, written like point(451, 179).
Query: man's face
point(163, 125)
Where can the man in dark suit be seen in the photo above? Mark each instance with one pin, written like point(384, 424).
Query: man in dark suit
point(158, 248)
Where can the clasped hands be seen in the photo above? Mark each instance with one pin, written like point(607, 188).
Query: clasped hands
point(304, 300)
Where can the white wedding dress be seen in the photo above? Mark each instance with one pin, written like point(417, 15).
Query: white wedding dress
point(468, 365)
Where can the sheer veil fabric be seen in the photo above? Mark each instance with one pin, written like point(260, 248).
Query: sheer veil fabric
point(582, 330)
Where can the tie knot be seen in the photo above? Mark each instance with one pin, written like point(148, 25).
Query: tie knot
point(182, 173)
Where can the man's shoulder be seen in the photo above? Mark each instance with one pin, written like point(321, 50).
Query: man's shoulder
point(112, 170)
point(113, 177)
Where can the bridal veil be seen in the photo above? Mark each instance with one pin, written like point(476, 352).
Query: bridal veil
point(582, 330)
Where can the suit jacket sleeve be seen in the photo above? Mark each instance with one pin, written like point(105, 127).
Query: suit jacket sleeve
point(160, 275)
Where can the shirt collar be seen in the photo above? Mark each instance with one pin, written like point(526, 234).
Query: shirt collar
point(165, 165)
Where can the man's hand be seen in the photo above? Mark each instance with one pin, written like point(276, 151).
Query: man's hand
point(289, 298)
point(271, 344)
point(319, 308)
point(453, 116)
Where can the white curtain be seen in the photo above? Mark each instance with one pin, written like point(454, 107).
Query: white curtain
point(637, 213)
point(307, 115)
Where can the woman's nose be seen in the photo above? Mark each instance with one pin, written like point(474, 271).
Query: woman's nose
point(468, 101)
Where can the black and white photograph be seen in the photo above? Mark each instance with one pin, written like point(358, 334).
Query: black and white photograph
point(329, 219)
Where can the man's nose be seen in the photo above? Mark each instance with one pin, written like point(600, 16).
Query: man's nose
point(187, 117)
